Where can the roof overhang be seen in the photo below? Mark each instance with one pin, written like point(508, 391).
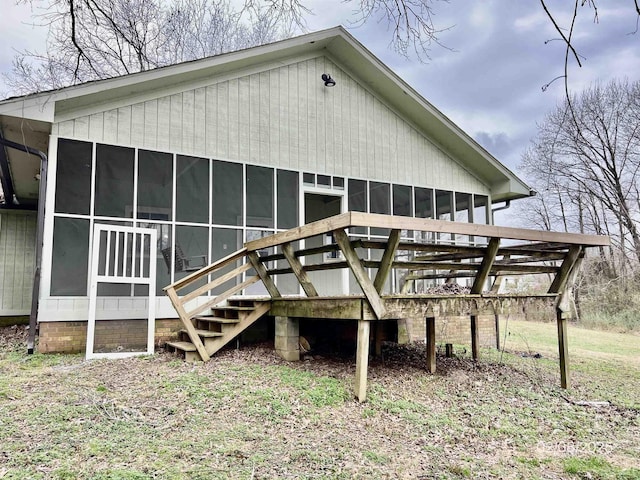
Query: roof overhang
point(42, 109)
point(19, 170)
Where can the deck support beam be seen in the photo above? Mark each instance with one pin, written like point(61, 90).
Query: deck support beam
point(567, 272)
point(475, 338)
point(362, 359)
point(563, 347)
point(431, 344)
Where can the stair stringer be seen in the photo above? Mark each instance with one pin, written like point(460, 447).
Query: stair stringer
point(232, 332)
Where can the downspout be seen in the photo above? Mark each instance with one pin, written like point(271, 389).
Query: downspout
point(35, 296)
point(506, 205)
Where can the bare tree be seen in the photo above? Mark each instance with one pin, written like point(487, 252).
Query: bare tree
point(94, 39)
point(585, 165)
point(567, 34)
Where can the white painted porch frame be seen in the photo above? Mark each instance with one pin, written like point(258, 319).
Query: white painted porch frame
point(123, 270)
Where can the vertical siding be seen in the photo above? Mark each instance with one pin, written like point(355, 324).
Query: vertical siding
point(286, 117)
point(151, 124)
point(17, 262)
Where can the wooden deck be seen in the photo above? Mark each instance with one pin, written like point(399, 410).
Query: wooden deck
point(441, 251)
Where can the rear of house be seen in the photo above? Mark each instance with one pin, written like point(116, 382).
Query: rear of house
point(221, 151)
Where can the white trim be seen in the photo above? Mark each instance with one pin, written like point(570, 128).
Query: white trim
point(132, 272)
point(47, 237)
point(328, 192)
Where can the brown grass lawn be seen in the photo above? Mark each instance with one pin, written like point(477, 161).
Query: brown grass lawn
point(249, 415)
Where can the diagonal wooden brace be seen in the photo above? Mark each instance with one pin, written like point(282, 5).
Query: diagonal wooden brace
point(263, 274)
point(485, 266)
point(387, 260)
point(360, 273)
point(298, 270)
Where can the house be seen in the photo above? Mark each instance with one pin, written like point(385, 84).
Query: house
point(217, 152)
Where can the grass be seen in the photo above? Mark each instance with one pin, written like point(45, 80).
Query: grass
point(248, 414)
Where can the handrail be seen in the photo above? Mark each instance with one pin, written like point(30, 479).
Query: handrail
point(434, 260)
point(183, 282)
point(374, 220)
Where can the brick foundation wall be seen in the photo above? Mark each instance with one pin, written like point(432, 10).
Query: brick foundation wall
point(111, 335)
point(451, 330)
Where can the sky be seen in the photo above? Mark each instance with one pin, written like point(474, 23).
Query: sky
point(489, 77)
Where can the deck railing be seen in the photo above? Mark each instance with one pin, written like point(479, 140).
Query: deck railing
point(534, 252)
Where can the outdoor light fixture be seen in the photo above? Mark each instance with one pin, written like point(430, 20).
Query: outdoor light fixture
point(328, 81)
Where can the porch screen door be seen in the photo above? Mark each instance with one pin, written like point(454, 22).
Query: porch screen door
point(122, 255)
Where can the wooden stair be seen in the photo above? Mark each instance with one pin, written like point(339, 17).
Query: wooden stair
point(222, 325)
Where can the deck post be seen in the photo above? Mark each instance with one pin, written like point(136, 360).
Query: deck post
point(362, 359)
point(287, 341)
point(563, 347)
point(431, 344)
point(379, 334)
point(497, 322)
point(475, 338)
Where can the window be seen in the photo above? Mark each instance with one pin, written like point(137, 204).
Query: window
point(402, 200)
point(463, 213)
point(69, 269)
point(259, 196)
point(324, 181)
point(379, 202)
point(480, 207)
point(73, 177)
point(192, 189)
point(191, 252)
point(424, 202)
point(227, 193)
point(114, 181)
point(287, 199)
point(155, 185)
point(444, 210)
point(358, 202)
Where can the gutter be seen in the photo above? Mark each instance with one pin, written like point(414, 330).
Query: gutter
point(35, 296)
point(507, 203)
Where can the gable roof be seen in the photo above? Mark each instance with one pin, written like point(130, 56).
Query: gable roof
point(42, 109)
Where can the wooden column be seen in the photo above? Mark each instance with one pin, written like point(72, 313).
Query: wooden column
point(563, 347)
point(475, 338)
point(379, 333)
point(478, 284)
point(559, 284)
point(497, 319)
point(362, 359)
point(431, 344)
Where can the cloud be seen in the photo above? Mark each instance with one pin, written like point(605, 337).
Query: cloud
point(498, 144)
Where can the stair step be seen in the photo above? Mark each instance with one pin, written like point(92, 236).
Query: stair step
point(184, 346)
point(206, 333)
point(234, 308)
point(218, 319)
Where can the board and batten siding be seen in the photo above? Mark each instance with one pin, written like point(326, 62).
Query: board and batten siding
point(284, 117)
point(17, 261)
